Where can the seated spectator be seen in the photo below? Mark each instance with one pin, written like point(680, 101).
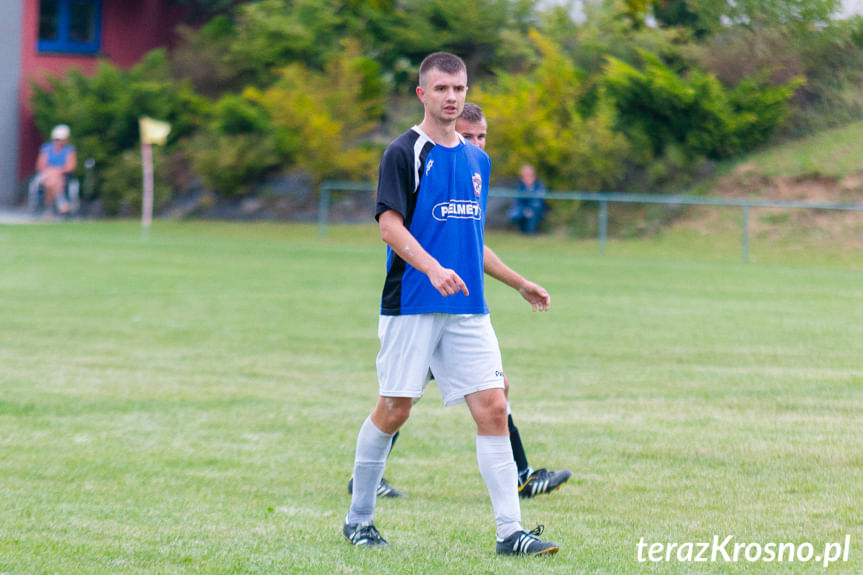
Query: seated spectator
point(528, 209)
point(57, 161)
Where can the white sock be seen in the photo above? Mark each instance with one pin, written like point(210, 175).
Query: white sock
point(497, 467)
point(508, 408)
point(373, 445)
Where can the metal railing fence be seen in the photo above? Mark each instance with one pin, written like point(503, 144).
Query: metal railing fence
point(603, 199)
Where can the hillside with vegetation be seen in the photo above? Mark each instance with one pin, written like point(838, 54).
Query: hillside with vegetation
point(271, 97)
point(825, 168)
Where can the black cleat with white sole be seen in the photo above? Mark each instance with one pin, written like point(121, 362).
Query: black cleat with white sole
point(363, 534)
point(542, 481)
point(526, 543)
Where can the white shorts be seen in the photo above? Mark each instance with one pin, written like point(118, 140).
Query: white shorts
point(461, 350)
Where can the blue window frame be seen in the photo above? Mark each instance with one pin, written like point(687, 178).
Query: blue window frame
point(70, 26)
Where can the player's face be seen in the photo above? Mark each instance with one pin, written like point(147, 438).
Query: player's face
point(473, 132)
point(443, 94)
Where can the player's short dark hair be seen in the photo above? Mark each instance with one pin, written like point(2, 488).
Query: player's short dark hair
point(472, 113)
point(443, 61)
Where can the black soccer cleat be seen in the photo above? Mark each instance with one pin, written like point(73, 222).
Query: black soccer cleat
point(542, 481)
point(363, 534)
point(384, 489)
point(526, 543)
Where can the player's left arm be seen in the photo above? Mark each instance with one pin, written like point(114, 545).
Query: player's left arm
point(534, 293)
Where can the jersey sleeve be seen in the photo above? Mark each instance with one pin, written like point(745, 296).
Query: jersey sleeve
point(394, 181)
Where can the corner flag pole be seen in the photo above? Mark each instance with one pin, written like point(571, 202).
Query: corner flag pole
point(147, 202)
point(152, 132)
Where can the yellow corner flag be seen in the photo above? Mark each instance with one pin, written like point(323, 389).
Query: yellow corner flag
point(153, 131)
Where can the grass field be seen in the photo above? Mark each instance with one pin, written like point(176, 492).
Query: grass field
point(189, 404)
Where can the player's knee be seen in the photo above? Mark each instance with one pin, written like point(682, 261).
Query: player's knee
point(498, 411)
point(493, 413)
point(392, 412)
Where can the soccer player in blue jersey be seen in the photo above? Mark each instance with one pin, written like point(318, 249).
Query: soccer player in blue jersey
point(432, 193)
point(473, 127)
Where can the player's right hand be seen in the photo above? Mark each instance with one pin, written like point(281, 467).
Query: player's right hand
point(447, 282)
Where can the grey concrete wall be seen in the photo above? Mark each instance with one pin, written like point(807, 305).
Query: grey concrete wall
point(11, 19)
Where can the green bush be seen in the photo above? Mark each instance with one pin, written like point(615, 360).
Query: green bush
point(538, 118)
point(320, 121)
point(271, 34)
point(231, 163)
point(830, 59)
point(103, 109)
point(758, 109)
point(235, 114)
point(237, 148)
point(535, 118)
point(121, 186)
point(317, 122)
point(203, 57)
point(718, 16)
point(659, 107)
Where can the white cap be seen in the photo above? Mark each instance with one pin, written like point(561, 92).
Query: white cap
point(60, 132)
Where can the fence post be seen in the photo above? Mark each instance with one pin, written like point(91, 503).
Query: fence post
point(323, 210)
point(603, 225)
point(89, 178)
point(745, 239)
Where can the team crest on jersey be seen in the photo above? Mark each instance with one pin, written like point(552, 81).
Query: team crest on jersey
point(428, 166)
point(477, 183)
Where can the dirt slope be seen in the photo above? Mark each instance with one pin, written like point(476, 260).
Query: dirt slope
point(844, 227)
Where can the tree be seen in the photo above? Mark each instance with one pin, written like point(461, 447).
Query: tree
point(701, 18)
point(273, 33)
point(314, 121)
point(706, 17)
point(535, 118)
point(200, 10)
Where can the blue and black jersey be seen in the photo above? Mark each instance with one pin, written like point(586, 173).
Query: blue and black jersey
point(441, 193)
